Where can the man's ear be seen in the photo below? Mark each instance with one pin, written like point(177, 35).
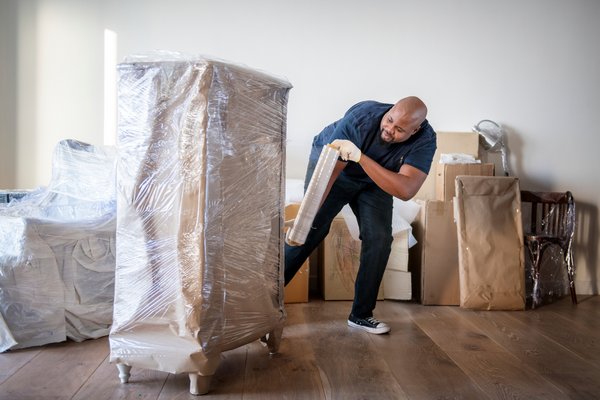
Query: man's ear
point(417, 129)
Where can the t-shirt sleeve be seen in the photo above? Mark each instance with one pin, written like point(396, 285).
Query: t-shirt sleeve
point(422, 156)
point(344, 130)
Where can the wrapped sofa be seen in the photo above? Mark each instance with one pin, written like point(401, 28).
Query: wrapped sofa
point(57, 252)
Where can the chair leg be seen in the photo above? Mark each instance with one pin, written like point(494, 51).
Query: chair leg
point(570, 274)
point(199, 384)
point(275, 339)
point(124, 372)
point(535, 252)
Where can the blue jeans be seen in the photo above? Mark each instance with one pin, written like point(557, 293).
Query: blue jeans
point(373, 209)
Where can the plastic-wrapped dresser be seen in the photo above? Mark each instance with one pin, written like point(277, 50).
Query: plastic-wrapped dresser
point(200, 200)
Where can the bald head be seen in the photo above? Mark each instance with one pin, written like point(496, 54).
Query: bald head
point(403, 120)
point(413, 109)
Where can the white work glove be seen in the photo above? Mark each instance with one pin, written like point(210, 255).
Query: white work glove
point(347, 149)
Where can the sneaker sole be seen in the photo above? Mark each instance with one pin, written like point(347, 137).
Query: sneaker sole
point(376, 331)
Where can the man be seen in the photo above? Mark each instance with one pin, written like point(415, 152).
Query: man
point(386, 150)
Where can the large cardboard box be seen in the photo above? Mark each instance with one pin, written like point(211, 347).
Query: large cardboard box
point(435, 256)
point(446, 175)
point(297, 290)
point(448, 142)
point(490, 243)
point(397, 284)
point(397, 279)
point(340, 259)
point(398, 260)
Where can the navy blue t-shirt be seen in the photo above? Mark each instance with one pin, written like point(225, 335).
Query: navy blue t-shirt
point(361, 125)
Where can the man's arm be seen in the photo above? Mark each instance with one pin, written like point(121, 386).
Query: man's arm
point(403, 185)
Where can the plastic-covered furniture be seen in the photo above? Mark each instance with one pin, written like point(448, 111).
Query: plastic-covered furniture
point(57, 252)
point(200, 200)
point(549, 221)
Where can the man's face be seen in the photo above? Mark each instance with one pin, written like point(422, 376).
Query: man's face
point(397, 126)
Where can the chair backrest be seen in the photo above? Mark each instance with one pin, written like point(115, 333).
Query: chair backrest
point(549, 214)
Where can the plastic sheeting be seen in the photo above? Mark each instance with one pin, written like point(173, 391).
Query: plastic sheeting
point(314, 196)
point(57, 247)
point(404, 213)
point(200, 192)
point(549, 225)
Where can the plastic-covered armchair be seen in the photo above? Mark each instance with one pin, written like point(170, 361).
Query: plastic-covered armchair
point(57, 251)
point(551, 221)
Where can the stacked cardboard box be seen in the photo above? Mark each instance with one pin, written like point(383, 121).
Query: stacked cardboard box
point(436, 253)
point(297, 290)
point(397, 278)
point(448, 142)
point(340, 259)
point(434, 260)
point(446, 175)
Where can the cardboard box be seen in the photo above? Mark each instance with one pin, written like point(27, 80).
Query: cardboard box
point(397, 279)
point(398, 260)
point(490, 243)
point(435, 256)
point(448, 142)
point(397, 284)
point(446, 175)
point(340, 259)
point(297, 290)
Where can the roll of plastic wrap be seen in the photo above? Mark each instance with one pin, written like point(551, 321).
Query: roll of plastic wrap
point(313, 196)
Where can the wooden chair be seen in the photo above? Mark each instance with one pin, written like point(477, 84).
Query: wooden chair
point(551, 222)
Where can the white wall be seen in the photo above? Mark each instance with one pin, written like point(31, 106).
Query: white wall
point(56, 64)
point(8, 87)
point(532, 66)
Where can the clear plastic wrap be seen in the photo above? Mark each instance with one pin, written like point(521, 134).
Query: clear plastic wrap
point(200, 198)
point(313, 196)
point(57, 247)
point(549, 225)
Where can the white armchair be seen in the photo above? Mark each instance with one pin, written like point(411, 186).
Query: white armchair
point(57, 247)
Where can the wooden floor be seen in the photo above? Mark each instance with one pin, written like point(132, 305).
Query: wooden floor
point(552, 352)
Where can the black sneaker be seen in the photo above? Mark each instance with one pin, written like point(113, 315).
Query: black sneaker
point(370, 324)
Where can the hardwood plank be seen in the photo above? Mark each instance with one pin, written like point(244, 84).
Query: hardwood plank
point(292, 373)
point(499, 374)
point(551, 352)
point(226, 384)
point(12, 361)
point(586, 312)
point(575, 377)
point(251, 372)
point(104, 384)
point(419, 365)
point(57, 372)
point(347, 358)
point(572, 334)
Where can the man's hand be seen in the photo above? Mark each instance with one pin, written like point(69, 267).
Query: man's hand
point(347, 149)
